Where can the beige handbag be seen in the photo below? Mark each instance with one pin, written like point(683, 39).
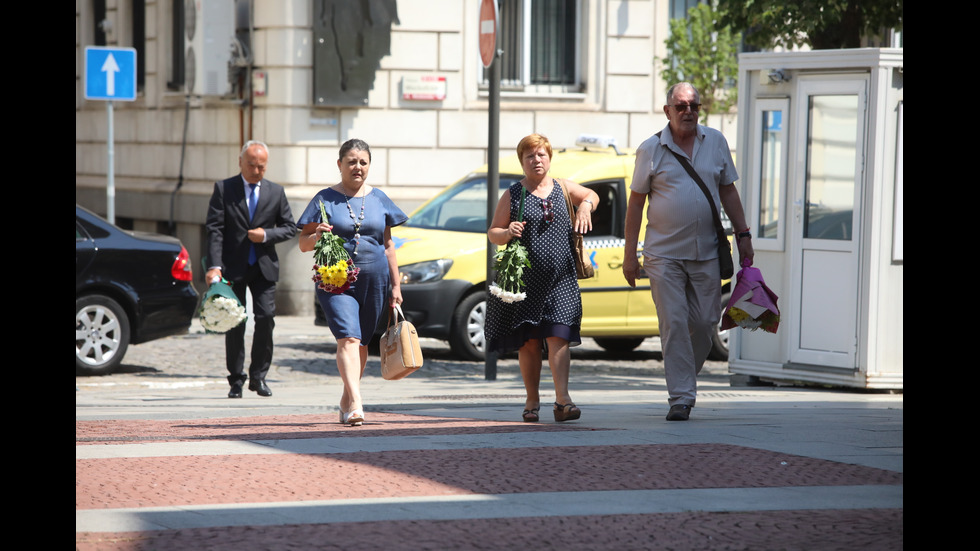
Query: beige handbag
point(401, 354)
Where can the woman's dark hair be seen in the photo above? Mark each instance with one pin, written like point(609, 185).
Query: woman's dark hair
point(355, 144)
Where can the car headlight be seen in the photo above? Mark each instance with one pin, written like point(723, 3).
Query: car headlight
point(423, 272)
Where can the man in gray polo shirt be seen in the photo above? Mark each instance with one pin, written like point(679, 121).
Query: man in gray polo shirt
point(680, 248)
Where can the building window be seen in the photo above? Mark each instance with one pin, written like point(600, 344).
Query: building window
point(139, 42)
point(539, 41)
point(679, 8)
point(98, 18)
point(177, 46)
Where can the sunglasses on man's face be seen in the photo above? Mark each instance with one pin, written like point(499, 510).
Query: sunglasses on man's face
point(681, 108)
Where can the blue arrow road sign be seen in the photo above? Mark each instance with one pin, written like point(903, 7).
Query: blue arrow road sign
point(110, 73)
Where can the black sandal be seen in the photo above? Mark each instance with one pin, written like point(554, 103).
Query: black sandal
point(530, 415)
point(566, 412)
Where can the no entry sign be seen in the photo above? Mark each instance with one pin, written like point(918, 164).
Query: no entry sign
point(488, 31)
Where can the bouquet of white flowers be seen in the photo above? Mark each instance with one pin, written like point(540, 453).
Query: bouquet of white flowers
point(220, 309)
point(509, 264)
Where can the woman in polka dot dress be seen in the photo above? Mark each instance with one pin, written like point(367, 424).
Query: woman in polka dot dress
point(552, 309)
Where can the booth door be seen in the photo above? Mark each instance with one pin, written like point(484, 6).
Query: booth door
point(825, 224)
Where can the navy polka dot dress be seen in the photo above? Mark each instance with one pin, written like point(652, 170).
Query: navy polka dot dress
point(553, 306)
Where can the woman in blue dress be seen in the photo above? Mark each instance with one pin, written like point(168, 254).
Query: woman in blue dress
point(363, 216)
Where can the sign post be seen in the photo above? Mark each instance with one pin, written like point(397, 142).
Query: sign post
point(110, 74)
point(488, 53)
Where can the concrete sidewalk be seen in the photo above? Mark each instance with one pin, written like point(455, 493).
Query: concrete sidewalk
point(443, 462)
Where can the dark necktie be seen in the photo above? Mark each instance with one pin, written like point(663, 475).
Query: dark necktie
point(251, 214)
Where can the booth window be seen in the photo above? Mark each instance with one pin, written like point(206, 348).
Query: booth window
point(832, 155)
point(769, 154)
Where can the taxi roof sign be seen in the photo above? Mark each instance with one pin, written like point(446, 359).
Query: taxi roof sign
point(593, 140)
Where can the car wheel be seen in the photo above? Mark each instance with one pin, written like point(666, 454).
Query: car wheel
point(620, 345)
point(719, 341)
point(466, 338)
point(101, 335)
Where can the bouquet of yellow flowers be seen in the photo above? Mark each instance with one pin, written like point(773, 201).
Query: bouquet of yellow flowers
point(333, 269)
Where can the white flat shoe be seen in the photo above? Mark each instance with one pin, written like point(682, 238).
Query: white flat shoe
point(354, 418)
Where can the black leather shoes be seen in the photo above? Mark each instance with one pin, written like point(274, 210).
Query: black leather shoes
point(679, 412)
point(236, 390)
point(260, 388)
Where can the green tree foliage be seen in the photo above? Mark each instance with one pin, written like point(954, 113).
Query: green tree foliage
point(820, 24)
point(703, 52)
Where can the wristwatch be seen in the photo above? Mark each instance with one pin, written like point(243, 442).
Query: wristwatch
point(591, 205)
point(740, 235)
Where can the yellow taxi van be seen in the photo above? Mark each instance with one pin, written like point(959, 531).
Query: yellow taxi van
point(442, 256)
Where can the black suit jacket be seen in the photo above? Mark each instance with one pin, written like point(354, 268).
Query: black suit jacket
point(228, 225)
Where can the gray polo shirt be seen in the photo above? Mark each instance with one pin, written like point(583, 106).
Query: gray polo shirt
point(679, 219)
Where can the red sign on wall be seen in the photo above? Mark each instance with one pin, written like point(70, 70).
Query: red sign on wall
point(424, 87)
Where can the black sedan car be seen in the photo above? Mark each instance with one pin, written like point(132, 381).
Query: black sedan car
point(130, 287)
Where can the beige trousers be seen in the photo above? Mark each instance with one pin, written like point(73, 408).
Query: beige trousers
point(687, 294)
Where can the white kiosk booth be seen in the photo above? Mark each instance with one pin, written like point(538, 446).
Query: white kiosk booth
point(820, 139)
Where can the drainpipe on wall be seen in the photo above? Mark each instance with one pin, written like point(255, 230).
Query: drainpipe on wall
point(249, 66)
point(172, 225)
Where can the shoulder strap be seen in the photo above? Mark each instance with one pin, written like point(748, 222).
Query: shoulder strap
point(568, 200)
point(520, 212)
point(697, 178)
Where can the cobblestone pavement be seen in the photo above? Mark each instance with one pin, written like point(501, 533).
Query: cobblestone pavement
point(305, 352)
point(164, 461)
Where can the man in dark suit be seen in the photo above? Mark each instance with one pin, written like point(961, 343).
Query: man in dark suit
point(247, 216)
